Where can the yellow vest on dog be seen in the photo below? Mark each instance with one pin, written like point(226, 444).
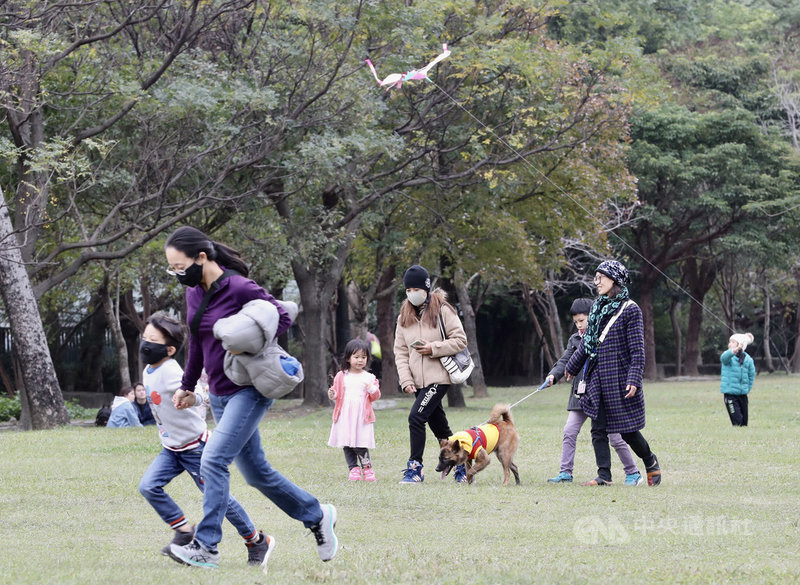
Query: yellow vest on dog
point(477, 438)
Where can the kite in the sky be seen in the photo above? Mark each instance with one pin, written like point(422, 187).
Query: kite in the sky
point(397, 79)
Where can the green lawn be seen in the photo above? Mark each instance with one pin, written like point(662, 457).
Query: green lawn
point(726, 512)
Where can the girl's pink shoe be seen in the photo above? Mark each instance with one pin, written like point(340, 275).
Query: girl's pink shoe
point(355, 474)
point(369, 475)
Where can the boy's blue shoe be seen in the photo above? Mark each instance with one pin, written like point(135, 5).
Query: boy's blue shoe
point(562, 477)
point(634, 479)
point(413, 473)
point(460, 473)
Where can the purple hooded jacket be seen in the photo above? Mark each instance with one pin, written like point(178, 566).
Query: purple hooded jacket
point(205, 351)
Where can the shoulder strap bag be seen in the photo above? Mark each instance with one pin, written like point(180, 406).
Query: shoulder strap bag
point(458, 366)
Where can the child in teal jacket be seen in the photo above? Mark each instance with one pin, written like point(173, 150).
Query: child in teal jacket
point(737, 377)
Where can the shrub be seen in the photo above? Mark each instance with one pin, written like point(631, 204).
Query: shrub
point(9, 408)
point(76, 411)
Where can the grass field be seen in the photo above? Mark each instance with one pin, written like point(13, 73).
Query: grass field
point(728, 509)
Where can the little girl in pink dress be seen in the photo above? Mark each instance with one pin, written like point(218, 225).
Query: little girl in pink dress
point(354, 390)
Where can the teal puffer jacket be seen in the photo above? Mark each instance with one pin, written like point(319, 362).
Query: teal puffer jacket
point(736, 378)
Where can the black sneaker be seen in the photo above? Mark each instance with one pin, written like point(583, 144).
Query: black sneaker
point(258, 552)
point(179, 538)
point(653, 472)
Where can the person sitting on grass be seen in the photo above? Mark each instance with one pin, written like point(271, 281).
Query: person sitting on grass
point(123, 412)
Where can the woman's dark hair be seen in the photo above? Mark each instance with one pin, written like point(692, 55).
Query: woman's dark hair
point(352, 347)
point(170, 328)
point(191, 241)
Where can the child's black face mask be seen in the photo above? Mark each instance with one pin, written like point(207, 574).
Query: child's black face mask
point(152, 353)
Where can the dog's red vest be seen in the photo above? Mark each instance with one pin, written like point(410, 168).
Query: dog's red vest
point(477, 438)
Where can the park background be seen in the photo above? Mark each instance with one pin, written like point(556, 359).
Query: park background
point(557, 134)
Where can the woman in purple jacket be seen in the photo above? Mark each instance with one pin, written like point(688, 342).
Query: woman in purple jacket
point(216, 276)
point(611, 356)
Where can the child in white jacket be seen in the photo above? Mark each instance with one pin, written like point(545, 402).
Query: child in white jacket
point(183, 435)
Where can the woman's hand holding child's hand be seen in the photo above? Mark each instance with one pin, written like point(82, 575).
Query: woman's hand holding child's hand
point(183, 399)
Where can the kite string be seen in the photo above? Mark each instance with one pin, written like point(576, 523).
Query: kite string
point(588, 212)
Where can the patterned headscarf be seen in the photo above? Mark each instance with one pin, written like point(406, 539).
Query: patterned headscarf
point(616, 271)
point(602, 310)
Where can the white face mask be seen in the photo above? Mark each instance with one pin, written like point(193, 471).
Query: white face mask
point(417, 297)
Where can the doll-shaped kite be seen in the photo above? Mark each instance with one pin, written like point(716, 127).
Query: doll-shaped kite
point(397, 79)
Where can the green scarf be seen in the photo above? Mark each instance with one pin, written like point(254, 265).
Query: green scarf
point(602, 310)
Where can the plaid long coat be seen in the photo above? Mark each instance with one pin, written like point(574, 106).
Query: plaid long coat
point(620, 362)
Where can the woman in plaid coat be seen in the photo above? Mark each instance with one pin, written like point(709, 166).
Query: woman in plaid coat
point(612, 359)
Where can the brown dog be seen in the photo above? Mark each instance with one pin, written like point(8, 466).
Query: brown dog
point(472, 447)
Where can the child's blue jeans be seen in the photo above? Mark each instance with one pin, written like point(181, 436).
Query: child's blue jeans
point(170, 464)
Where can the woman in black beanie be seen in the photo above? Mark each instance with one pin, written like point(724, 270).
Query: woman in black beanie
point(418, 345)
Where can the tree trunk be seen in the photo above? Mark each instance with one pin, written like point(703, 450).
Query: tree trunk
point(478, 382)
point(316, 332)
point(767, 317)
point(33, 186)
point(317, 287)
point(358, 304)
point(700, 278)
point(39, 382)
point(526, 296)
point(554, 322)
point(676, 333)
point(646, 304)
point(795, 360)
point(342, 324)
point(390, 382)
point(455, 396)
point(112, 318)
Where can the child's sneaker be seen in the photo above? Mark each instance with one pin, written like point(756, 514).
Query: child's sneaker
point(634, 479)
point(355, 474)
point(369, 474)
point(653, 472)
point(195, 555)
point(327, 544)
point(562, 477)
point(179, 538)
point(258, 552)
point(413, 473)
point(460, 474)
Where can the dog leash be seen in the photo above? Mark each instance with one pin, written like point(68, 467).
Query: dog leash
point(544, 385)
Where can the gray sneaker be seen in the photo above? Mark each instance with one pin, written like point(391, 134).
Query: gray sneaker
point(258, 553)
point(195, 555)
point(327, 544)
point(179, 538)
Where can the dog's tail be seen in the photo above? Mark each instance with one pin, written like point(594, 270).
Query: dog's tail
point(500, 412)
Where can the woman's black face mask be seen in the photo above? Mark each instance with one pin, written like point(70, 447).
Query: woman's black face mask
point(152, 353)
point(192, 276)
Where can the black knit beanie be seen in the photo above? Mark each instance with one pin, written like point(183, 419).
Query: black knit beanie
point(417, 277)
point(581, 307)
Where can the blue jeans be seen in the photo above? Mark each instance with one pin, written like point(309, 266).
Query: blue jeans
point(236, 439)
point(170, 464)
